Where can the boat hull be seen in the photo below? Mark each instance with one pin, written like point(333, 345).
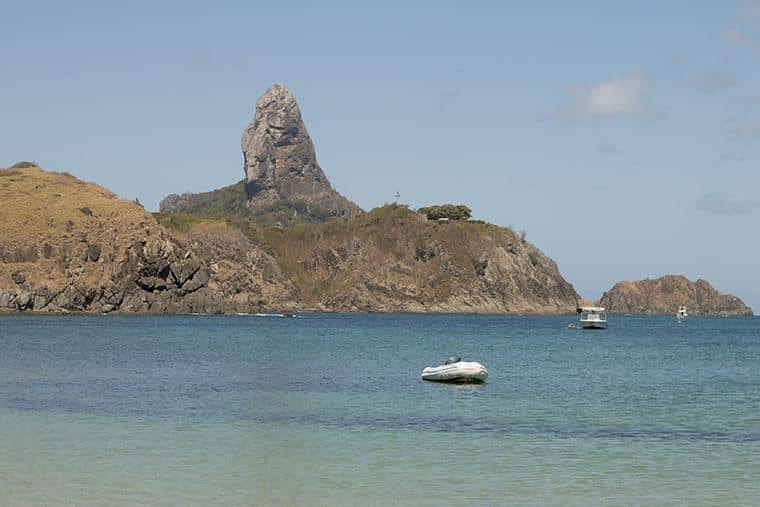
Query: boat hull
point(594, 324)
point(458, 372)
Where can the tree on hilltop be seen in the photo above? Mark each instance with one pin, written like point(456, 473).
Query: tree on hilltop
point(450, 211)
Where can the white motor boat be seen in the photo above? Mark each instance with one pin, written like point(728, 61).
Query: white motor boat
point(681, 315)
point(456, 370)
point(593, 317)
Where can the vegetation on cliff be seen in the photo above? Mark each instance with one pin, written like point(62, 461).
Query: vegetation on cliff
point(231, 201)
point(449, 211)
point(393, 259)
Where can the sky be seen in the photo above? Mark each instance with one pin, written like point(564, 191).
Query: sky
point(623, 137)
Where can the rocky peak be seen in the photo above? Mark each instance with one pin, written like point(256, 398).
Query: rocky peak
point(280, 162)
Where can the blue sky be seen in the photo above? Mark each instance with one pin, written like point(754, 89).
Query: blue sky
point(622, 136)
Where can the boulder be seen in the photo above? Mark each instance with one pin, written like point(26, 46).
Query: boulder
point(93, 253)
point(24, 300)
point(5, 300)
point(199, 279)
point(184, 270)
point(18, 277)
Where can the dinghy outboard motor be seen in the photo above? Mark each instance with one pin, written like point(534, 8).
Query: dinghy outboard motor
point(453, 359)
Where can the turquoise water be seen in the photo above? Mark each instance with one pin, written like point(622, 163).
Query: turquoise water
point(330, 410)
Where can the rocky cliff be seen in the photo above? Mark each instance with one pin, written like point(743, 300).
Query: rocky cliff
point(664, 296)
point(71, 246)
point(280, 162)
point(283, 185)
point(393, 259)
point(67, 245)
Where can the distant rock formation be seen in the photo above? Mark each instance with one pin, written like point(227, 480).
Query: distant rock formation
point(664, 296)
point(280, 162)
point(283, 184)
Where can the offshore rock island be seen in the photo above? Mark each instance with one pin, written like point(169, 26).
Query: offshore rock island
point(664, 295)
point(282, 239)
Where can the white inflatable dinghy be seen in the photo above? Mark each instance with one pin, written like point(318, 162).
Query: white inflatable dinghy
point(456, 370)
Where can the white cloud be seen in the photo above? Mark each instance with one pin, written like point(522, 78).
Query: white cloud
point(716, 203)
point(617, 98)
point(751, 9)
point(744, 122)
point(731, 157)
point(609, 149)
point(746, 127)
point(744, 31)
point(714, 81)
point(735, 36)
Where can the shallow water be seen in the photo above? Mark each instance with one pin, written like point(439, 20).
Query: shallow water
point(330, 410)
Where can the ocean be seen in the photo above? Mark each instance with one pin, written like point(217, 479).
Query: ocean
point(329, 409)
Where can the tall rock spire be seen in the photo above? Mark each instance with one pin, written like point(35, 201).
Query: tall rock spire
point(280, 162)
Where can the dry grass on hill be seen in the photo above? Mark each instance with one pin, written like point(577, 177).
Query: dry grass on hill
point(44, 205)
point(52, 223)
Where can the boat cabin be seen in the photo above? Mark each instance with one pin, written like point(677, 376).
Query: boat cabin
point(593, 317)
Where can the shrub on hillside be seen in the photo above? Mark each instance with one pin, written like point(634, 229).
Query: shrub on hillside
point(480, 267)
point(450, 211)
point(23, 165)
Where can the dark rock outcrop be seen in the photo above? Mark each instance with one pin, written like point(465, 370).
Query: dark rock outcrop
point(280, 162)
point(664, 295)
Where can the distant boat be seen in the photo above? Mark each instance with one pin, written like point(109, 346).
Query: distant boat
point(681, 315)
point(593, 317)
